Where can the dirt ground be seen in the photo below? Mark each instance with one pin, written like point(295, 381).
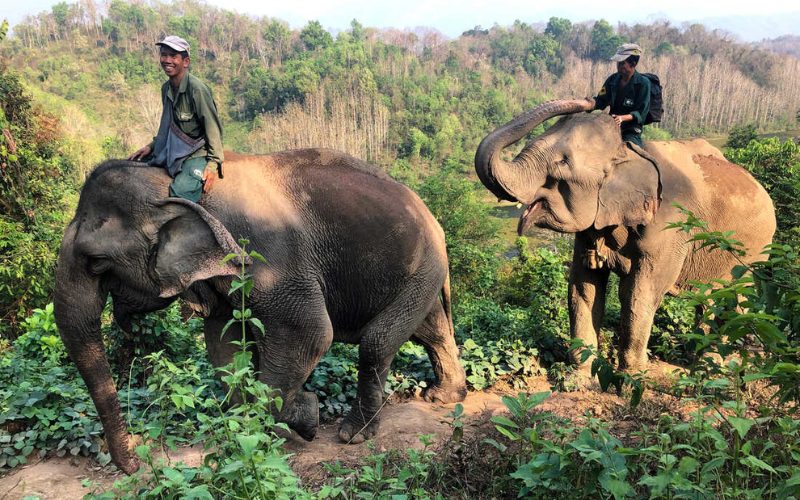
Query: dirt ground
point(401, 425)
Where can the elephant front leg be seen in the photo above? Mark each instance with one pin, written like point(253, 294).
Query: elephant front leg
point(587, 304)
point(639, 299)
point(287, 355)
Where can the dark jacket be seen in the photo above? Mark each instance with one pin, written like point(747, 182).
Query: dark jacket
point(635, 100)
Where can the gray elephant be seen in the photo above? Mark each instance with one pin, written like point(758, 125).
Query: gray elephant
point(579, 177)
point(352, 256)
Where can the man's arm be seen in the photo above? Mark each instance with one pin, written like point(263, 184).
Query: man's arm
point(207, 115)
point(601, 100)
point(206, 110)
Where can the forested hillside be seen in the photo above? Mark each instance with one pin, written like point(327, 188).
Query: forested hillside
point(412, 94)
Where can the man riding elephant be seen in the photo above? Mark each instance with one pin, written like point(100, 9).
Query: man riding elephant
point(628, 94)
point(189, 139)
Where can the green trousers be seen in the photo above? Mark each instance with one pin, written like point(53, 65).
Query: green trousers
point(188, 183)
point(634, 138)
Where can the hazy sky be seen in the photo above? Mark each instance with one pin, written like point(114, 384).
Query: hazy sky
point(454, 17)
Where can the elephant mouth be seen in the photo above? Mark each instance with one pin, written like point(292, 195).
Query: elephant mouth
point(529, 216)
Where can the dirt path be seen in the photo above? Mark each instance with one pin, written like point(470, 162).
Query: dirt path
point(401, 425)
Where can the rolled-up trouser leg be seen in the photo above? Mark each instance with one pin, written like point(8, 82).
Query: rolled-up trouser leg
point(188, 183)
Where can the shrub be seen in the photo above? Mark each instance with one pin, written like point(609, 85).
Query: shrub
point(776, 165)
point(35, 186)
point(471, 234)
point(741, 135)
point(44, 404)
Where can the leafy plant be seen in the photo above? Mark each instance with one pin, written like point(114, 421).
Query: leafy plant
point(741, 135)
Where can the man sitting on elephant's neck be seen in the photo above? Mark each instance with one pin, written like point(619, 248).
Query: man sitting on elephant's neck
point(628, 94)
point(189, 139)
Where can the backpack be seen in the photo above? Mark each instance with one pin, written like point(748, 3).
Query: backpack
point(656, 102)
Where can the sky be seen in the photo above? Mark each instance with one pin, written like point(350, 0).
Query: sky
point(749, 19)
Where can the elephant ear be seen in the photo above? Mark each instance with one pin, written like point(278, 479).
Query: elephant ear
point(631, 192)
point(191, 246)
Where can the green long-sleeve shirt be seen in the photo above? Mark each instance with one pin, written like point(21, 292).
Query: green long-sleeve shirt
point(195, 113)
point(634, 100)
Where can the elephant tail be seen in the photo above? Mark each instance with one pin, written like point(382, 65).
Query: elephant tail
point(447, 304)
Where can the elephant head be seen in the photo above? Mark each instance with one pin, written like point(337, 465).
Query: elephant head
point(577, 175)
point(128, 241)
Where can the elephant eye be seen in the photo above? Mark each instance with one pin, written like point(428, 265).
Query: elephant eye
point(99, 265)
point(564, 161)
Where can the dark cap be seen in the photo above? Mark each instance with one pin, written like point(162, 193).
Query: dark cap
point(176, 43)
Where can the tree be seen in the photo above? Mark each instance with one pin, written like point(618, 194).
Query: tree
point(559, 28)
point(35, 182)
point(357, 30)
point(544, 53)
point(604, 41)
point(664, 48)
point(278, 38)
point(315, 37)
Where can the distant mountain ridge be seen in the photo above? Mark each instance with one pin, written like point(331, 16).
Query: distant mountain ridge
point(757, 28)
point(786, 44)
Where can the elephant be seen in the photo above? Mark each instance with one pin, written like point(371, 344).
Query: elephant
point(351, 256)
point(617, 198)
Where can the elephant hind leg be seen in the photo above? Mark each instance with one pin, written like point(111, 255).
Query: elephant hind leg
point(379, 341)
point(436, 335)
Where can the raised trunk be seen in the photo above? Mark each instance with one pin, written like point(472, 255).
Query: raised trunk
point(507, 180)
point(78, 304)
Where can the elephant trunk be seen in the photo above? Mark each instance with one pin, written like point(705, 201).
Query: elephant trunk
point(502, 178)
point(79, 302)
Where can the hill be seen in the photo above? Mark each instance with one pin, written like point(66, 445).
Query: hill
point(417, 95)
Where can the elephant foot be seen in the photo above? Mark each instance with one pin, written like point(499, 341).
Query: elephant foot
point(129, 467)
point(125, 459)
point(632, 368)
point(303, 415)
point(127, 463)
point(355, 430)
point(445, 394)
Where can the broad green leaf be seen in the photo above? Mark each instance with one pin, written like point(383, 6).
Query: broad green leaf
point(173, 475)
point(248, 443)
point(741, 425)
point(258, 324)
point(504, 421)
point(757, 463)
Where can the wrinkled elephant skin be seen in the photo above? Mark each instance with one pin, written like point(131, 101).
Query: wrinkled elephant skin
point(579, 177)
point(352, 256)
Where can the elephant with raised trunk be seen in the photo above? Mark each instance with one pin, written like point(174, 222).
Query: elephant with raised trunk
point(352, 256)
point(580, 177)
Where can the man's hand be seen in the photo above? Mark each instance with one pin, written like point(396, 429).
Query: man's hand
point(620, 119)
point(209, 176)
point(142, 153)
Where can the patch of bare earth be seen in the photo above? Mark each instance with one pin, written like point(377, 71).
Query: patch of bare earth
point(402, 422)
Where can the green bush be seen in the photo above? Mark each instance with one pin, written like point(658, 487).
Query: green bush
point(654, 133)
point(776, 165)
point(36, 184)
point(741, 135)
point(471, 234)
point(44, 405)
